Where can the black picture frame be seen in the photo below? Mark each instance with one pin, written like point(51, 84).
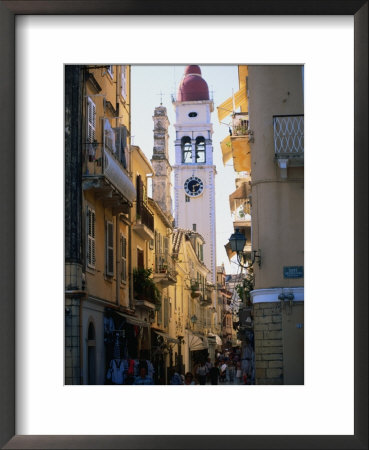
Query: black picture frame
point(8, 11)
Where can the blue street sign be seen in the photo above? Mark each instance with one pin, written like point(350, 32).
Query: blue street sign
point(293, 272)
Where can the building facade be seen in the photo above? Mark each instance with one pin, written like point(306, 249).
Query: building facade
point(267, 148)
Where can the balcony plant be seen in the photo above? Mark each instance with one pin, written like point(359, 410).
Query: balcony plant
point(195, 289)
point(144, 286)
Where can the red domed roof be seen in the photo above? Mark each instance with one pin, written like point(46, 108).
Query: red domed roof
point(192, 87)
point(192, 69)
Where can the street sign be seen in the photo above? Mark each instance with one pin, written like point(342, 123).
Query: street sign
point(293, 271)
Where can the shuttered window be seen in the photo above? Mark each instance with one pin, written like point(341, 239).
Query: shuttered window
point(109, 249)
point(123, 82)
point(91, 249)
point(123, 253)
point(91, 120)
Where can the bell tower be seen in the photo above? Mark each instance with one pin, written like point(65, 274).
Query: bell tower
point(161, 184)
point(194, 172)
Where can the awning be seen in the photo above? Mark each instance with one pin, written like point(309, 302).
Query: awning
point(238, 196)
point(133, 320)
point(229, 251)
point(227, 107)
point(217, 338)
point(226, 147)
point(241, 154)
point(196, 342)
point(166, 336)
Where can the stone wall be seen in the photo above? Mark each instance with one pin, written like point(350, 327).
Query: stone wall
point(268, 343)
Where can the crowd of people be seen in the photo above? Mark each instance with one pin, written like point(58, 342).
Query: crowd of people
point(227, 368)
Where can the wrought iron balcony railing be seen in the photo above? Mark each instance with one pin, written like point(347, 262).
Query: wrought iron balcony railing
point(288, 135)
point(145, 216)
point(164, 265)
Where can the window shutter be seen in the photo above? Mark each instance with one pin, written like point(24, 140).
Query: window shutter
point(166, 245)
point(91, 252)
point(123, 246)
point(123, 84)
point(109, 249)
point(139, 189)
point(91, 120)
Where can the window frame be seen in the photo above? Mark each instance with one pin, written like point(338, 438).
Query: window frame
point(123, 258)
point(90, 120)
point(91, 238)
point(109, 249)
point(185, 141)
point(200, 140)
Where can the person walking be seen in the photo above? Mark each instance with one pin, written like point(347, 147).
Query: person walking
point(175, 377)
point(189, 379)
point(143, 378)
point(230, 372)
point(214, 373)
point(201, 373)
point(238, 373)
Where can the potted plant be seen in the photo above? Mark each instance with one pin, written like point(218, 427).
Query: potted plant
point(144, 286)
point(195, 289)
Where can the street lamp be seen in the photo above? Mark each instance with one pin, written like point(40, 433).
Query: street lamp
point(237, 242)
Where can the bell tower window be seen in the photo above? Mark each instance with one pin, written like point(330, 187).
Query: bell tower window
point(200, 149)
point(186, 150)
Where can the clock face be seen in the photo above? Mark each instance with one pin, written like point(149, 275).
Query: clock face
point(193, 186)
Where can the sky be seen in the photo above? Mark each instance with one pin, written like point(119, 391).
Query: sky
point(152, 84)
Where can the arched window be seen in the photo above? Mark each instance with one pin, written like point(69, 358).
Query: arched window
point(186, 149)
point(91, 354)
point(200, 149)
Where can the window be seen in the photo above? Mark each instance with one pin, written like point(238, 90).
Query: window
point(123, 255)
point(140, 259)
point(91, 224)
point(194, 227)
point(200, 149)
point(187, 198)
point(192, 114)
point(109, 136)
point(123, 82)
point(91, 120)
point(186, 150)
point(109, 253)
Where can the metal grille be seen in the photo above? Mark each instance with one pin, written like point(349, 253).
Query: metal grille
point(289, 134)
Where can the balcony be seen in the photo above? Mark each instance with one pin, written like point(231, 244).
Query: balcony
point(240, 125)
point(164, 271)
point(241, 216)
point(289, 141)
point(144, 225)
point(105, 173)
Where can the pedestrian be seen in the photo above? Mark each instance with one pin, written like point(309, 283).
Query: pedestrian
point(230, 372)
point(238, 373)
point(201, 373)
point(189, 379)
point(143, 378)
point(174, 377)
point(208, 365)
point(214, 373)
point(223, 370)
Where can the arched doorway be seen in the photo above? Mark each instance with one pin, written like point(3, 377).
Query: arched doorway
point(91, 354)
